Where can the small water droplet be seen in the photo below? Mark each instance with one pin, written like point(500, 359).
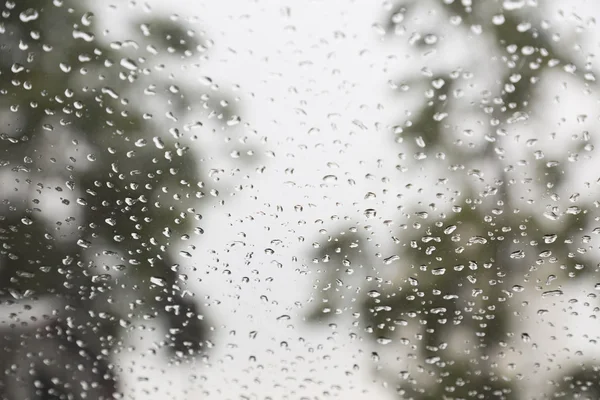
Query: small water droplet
point(185, 254)
point(158, 281)
point(552, 293)
point(87, 18)
point(370, 213)
point(550, 238)
point(449, 229)
point(384, 340)
point(391, 259)
point(29, 15)
point(518, 254)
point(234, 120)
point(129, 64)
point(84, 243)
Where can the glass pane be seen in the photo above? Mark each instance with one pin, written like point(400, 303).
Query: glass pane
point(298, 200)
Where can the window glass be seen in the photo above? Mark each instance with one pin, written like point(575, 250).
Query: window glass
point(299, 200)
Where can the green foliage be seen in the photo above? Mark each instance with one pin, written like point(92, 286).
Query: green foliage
point(449, 301)
point(77, 125)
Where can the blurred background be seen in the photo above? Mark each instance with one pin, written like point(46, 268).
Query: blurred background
point(271, 200)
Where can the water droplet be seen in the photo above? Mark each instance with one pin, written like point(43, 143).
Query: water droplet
point(370, 213)
point(234, 120)
point(101, 278)
point(158, 281)
point(158, 142)
point(551, 215)
point(518, 254)
point(550, 238)
point(510, 5)
point(384, 340)
point(84, 243)
point(432, 359)
point(391, 259)
point(16, 68)
point(129, 64)
point(449, 229)
point(477, 240)
point(29, 15)
point(87, 18)
point(552, 293)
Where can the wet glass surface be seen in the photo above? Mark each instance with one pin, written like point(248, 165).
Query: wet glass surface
point(314, 200)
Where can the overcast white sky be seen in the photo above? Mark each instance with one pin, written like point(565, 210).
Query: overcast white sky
point(312, 79)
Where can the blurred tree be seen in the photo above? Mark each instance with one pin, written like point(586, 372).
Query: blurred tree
point(94, 194)
point(449, 296)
